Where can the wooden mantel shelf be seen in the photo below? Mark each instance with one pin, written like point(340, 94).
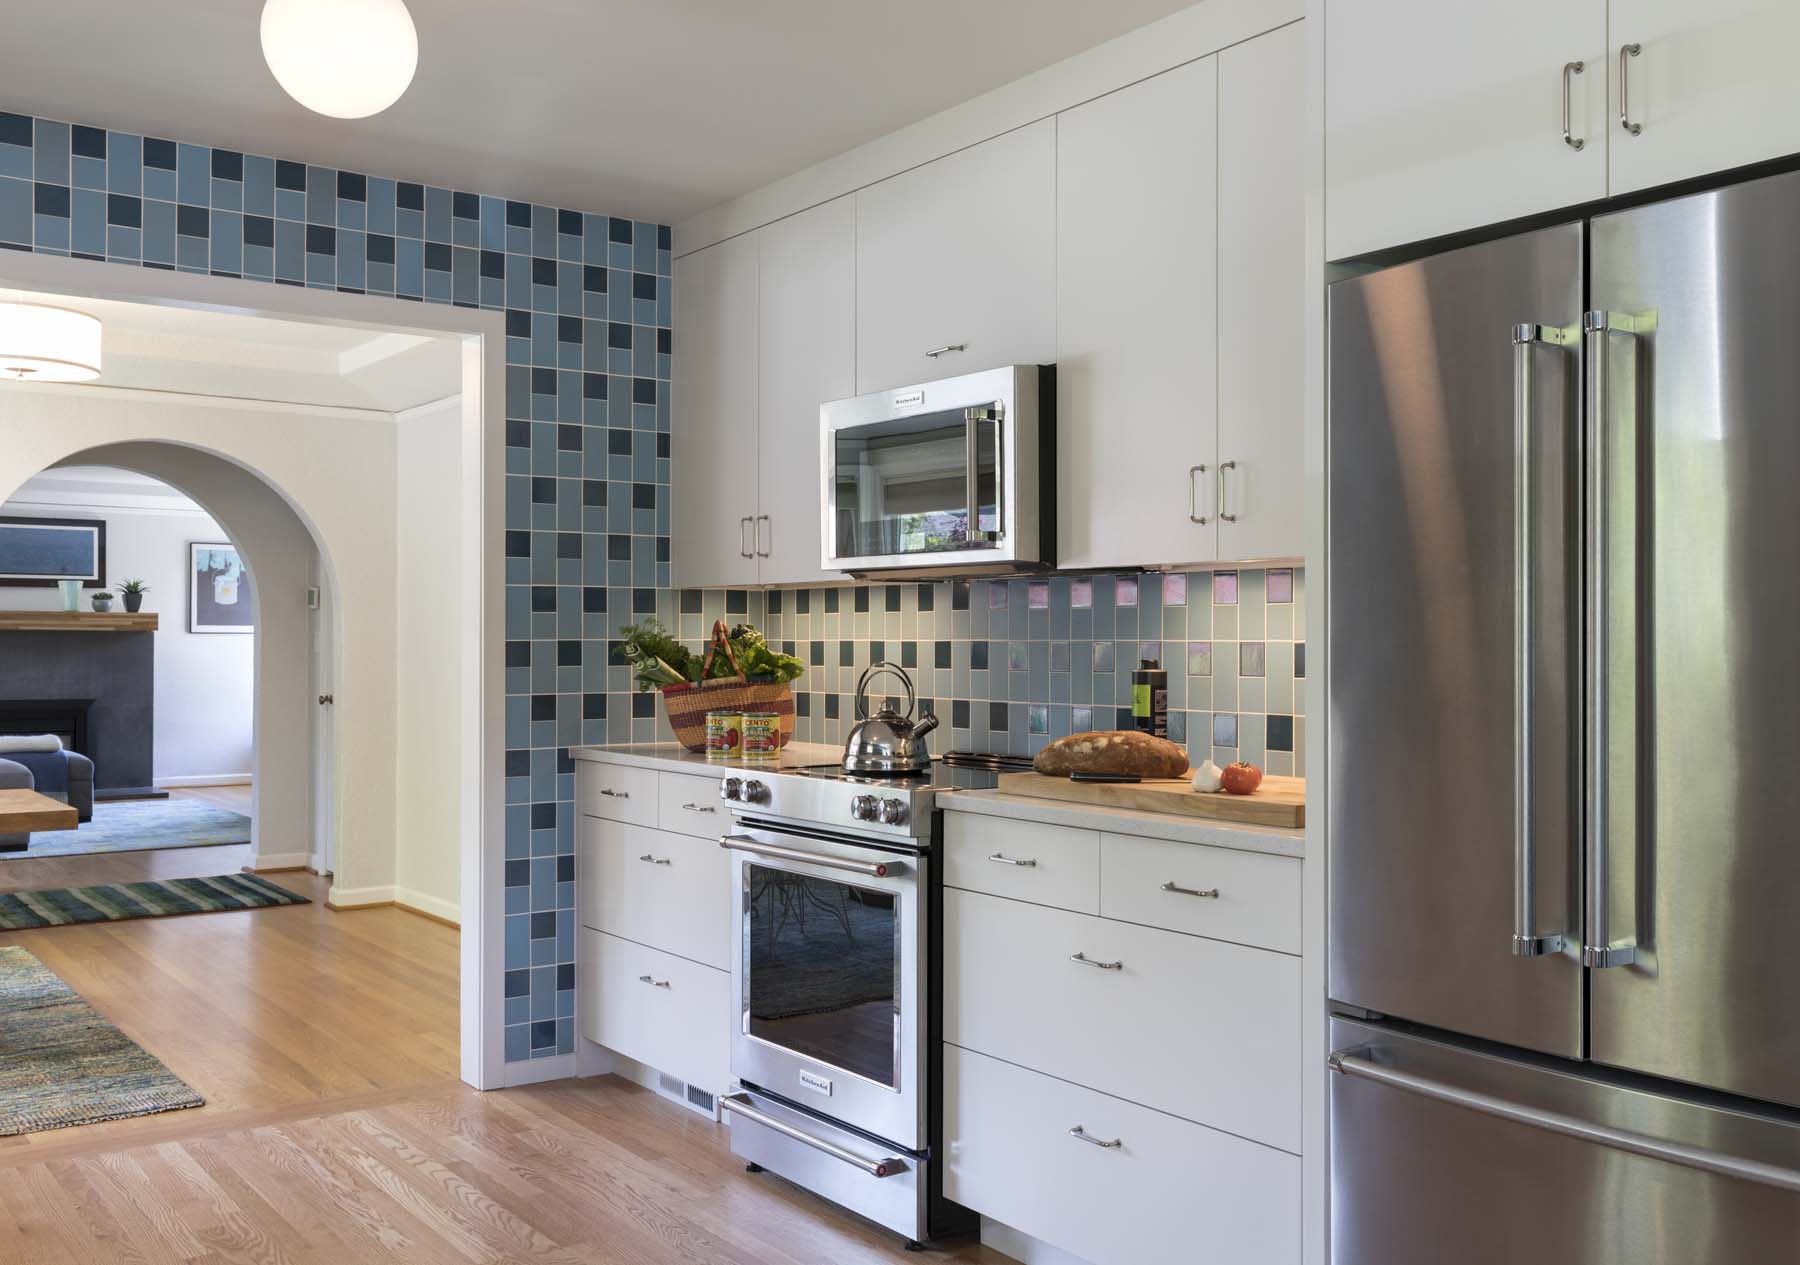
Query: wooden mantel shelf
point(76, 621)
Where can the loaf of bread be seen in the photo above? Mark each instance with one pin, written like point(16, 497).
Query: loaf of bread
point(1112, 751)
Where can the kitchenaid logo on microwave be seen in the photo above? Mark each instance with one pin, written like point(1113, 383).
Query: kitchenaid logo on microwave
point(906, 399)
point(818, 1084)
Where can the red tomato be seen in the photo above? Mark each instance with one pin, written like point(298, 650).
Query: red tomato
point(1240, 778)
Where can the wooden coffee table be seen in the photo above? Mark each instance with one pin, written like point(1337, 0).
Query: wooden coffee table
point(22, 812)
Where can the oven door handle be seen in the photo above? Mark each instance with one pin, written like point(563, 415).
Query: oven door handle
point(873, 869)
point(740, 1103)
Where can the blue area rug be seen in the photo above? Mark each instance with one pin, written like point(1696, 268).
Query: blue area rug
point(138, 825)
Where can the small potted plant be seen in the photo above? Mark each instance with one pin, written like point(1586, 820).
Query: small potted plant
point(133, 592)
point(102, 602)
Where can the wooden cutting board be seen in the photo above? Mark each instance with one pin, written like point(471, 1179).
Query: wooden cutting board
point(1279, 801)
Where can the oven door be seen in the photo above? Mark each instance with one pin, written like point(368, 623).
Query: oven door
point(827, 968)
point(931, 476)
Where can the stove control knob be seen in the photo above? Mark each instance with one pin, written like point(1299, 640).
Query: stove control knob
point(730, 788)
point(755, 792)
point(893, 811)
point(865, 808)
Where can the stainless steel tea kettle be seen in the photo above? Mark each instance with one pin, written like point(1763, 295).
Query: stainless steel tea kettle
point(887, 742)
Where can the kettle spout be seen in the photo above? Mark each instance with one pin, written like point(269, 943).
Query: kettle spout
point(926, 724)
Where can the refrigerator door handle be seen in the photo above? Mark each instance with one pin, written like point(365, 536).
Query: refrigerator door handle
point(1526, 940)
point(1598, 950)
point(1355, 1064)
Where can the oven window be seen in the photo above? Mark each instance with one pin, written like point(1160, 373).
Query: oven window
point(823, 971)
point(902, 487)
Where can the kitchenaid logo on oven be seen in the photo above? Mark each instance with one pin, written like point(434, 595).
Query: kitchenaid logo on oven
point(813, 1081)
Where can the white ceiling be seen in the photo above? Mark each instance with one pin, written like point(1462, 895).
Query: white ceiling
point(654, 109)
point(99, 488)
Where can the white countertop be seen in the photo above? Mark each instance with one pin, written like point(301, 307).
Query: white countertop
point(1174, 826)
point(676, 758)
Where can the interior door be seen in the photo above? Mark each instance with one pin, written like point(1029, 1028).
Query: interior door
point(1426, 577)
point(1711, 87)
point(1701, 385)
point(713, 440)
point(808, 356)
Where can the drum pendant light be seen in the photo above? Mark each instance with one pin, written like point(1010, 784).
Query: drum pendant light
point(41, 343)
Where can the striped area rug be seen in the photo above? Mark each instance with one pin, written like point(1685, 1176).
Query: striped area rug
point(62, 1063)
point(114, 902)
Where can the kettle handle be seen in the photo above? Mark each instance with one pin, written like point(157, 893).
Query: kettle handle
point(875, 670)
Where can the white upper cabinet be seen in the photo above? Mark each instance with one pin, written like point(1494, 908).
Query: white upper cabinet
point(959, 253)
point(1136, 386)
point(1448, 116)
point(808, 351)
point(1262, 286)
point(712, 441)
point(1712, 86)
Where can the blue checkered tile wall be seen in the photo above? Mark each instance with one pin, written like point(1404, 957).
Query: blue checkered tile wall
point(587, 307)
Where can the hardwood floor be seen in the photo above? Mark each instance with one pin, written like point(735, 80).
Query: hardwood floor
point(335, 1131)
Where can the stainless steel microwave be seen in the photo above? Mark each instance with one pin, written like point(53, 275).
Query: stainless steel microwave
point(955, 477)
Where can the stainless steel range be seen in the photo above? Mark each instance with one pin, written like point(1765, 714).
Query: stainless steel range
point(836, 971)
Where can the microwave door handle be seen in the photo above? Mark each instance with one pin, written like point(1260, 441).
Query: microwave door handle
point(972, 420)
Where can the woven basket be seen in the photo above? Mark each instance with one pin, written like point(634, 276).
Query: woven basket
point(688, 704)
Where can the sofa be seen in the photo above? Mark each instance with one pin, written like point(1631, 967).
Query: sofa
point(14, 777)
point(61, 774)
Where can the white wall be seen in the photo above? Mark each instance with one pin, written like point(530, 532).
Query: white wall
point(205, 687)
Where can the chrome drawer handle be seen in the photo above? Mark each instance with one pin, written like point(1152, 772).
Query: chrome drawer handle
point(612, 794)
point(935, 352)
point(655, 860)
point(654, 983)
point(1085, 960)
point(700, 808)
point(1625, 51)
point(1212, 893)
point(1029, 863)
point(740, 1104)
point(1082, 1135)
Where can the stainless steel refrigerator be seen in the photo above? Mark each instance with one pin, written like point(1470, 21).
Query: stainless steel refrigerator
point(1565, 739)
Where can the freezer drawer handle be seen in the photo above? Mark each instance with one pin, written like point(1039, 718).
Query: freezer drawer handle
point(1082, 1135)
point(1352, 1065)
point(740, 1103)
point(1209, 892)
point(874, 869)
point(1085, 960)
point(1526, 941)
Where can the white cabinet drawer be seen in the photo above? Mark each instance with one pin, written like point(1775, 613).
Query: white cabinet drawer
point(1027, 860)
point(666, 890)
point(656, 1008)
point(1155, 881)
point(690, 805)
point(1199, 1028)
point(618, 792)
point(1171, 1193)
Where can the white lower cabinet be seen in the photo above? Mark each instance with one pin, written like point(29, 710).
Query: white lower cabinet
point(659, 1009)
point(1169, 1193)
point(668, 890)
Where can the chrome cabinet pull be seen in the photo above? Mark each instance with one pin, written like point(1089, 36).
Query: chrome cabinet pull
point(610, 793)
point(1029, 863)
point(1212, 893)
point(655, 860)
point(1627, 51)
point(1085, 960)
point(1574, 142)
point(1223, 485)
point(1082, 1135)
point(1526, 942)
point(1599, 949)
point(762, 550)
point(740, 1103)
point(744, 549)
point(654, 983)
point(700, 808)
point(1194, 514)
point(935, 352)
point(1355, 1065)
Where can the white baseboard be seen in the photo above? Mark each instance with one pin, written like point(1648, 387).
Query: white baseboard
point(356, 897)
point(535, 1071)
point(1022, 1247)
point(202, 779)
point(425, 903)
point(281, 861)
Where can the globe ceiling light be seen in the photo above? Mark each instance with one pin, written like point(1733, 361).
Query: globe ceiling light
point(40, 343)
point(344, 58)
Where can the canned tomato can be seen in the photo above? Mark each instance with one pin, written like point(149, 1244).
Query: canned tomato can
point(762, 735)
point(724, 734)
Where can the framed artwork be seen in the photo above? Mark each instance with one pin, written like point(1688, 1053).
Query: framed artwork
point(45, 551)
point(220, 599)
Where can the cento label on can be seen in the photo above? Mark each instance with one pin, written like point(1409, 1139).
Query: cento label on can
point(724, 734)
point(762, 735)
